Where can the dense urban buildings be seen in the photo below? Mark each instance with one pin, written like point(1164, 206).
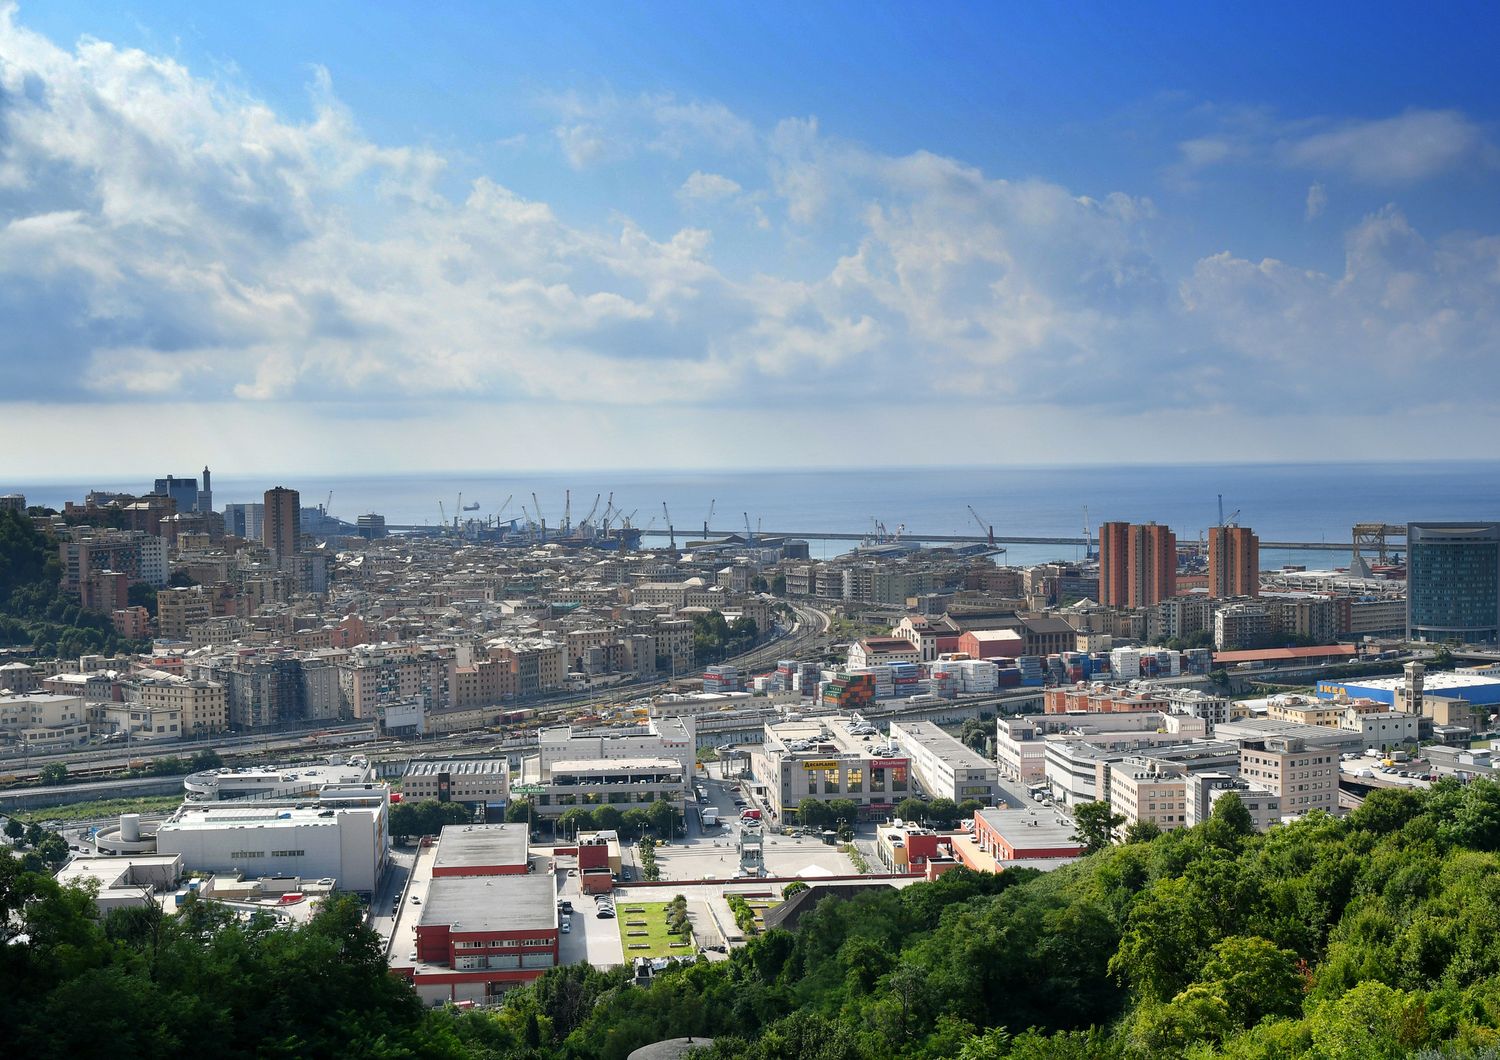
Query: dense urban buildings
point(1233, 561)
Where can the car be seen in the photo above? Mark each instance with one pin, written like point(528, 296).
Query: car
point(567, 927)
point(565, 905)
point(605, 913)
point(415, 900)
point(628, 874)
point(572, 872)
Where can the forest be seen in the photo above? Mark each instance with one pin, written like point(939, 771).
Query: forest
point(1369, 936)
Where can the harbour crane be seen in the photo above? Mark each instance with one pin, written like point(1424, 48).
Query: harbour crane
point(988, 531)
point(443, 515)
point(567, 523)
point(1088, 541)
point(504, 506)
point(710, 517)
point(587, 519)
point(536, 506)
point(671, 533)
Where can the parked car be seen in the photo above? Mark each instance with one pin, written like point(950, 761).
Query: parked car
point(565, 905)
point(628, 874)
point(572, 872)
point(567, 927)
point(605, 913)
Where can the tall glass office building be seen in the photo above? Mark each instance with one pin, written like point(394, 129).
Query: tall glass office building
point(1453, 582)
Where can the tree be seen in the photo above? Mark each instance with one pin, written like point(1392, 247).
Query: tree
point(1142, 831)
point(778, 585)
point(636, 822)
point(975, 733)
point(665, 820)
point(843, 810)
point(204, 760)
point(14, 828)
point(34, 834)
point(1094, 825)
point(1255, 978)
point(911, 809)
point(519, 811)
point(814, 813)
point(942, 813)
point(608, 819)
point(575, 820)
point(968, 808)
point(53, 773)
point(792, 889)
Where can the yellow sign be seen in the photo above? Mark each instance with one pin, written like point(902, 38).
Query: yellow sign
point(821, 764)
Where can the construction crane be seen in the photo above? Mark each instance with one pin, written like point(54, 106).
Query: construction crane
point(987, 530)
point(710, 516)
point(671, 533)
point(1232, 519)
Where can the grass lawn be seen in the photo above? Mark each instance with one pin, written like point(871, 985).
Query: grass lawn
point(657, 942)
point(99, 809)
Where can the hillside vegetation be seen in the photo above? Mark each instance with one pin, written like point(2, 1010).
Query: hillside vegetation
point(1337, 939)
point(33, 609)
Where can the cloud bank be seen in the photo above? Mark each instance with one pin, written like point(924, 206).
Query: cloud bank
point(166, 238)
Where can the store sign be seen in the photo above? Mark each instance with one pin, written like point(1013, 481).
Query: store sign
point(820, 764)
point(889, 763)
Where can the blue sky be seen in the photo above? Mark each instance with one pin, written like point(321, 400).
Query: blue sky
point(731, 235)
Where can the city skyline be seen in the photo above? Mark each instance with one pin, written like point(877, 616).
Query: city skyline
point(740, 239)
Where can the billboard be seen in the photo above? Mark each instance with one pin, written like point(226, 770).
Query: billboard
point(822, 763)
point(889, 763)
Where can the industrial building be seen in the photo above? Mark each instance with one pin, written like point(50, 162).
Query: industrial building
point(1025, 835)
point(278, 782)
point(476, 922)
point(947, 767)
point(482, 784)
point(344, 835)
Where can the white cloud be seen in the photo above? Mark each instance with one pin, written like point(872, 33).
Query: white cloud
point(708, 187)
point(1405, 317)
point(1317, 201)
point(1411, 146)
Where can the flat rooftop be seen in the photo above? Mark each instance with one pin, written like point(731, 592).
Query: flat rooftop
point(431, 767)
point(594, 765)
point(1031, 827)
point(1432, 681)
point(196, 815)
point(474, 845)
point(946, 747)
point(492, 903)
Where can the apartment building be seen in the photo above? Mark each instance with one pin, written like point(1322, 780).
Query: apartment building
point(1305, 777)
point(1141, 790)
point(1233, 561)
point(201, 707)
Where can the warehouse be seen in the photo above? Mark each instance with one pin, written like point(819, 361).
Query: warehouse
point(344, 836)
point(946, 766)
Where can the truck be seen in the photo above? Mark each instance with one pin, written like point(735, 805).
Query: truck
point(749, 815)
point(710, 818)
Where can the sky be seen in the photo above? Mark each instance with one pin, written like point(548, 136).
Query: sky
point(355, 238)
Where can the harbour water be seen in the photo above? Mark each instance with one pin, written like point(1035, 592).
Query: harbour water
point(1281, 502)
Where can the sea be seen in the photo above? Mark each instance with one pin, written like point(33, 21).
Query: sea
point(1281, 502)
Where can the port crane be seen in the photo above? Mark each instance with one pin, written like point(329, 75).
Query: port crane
point(710, 517)
point(987, 530)
point(536, 506)
point(749, 534)
point(671, 532)
point(587, 520)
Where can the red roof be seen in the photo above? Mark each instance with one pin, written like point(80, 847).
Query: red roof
point(1317, 651)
